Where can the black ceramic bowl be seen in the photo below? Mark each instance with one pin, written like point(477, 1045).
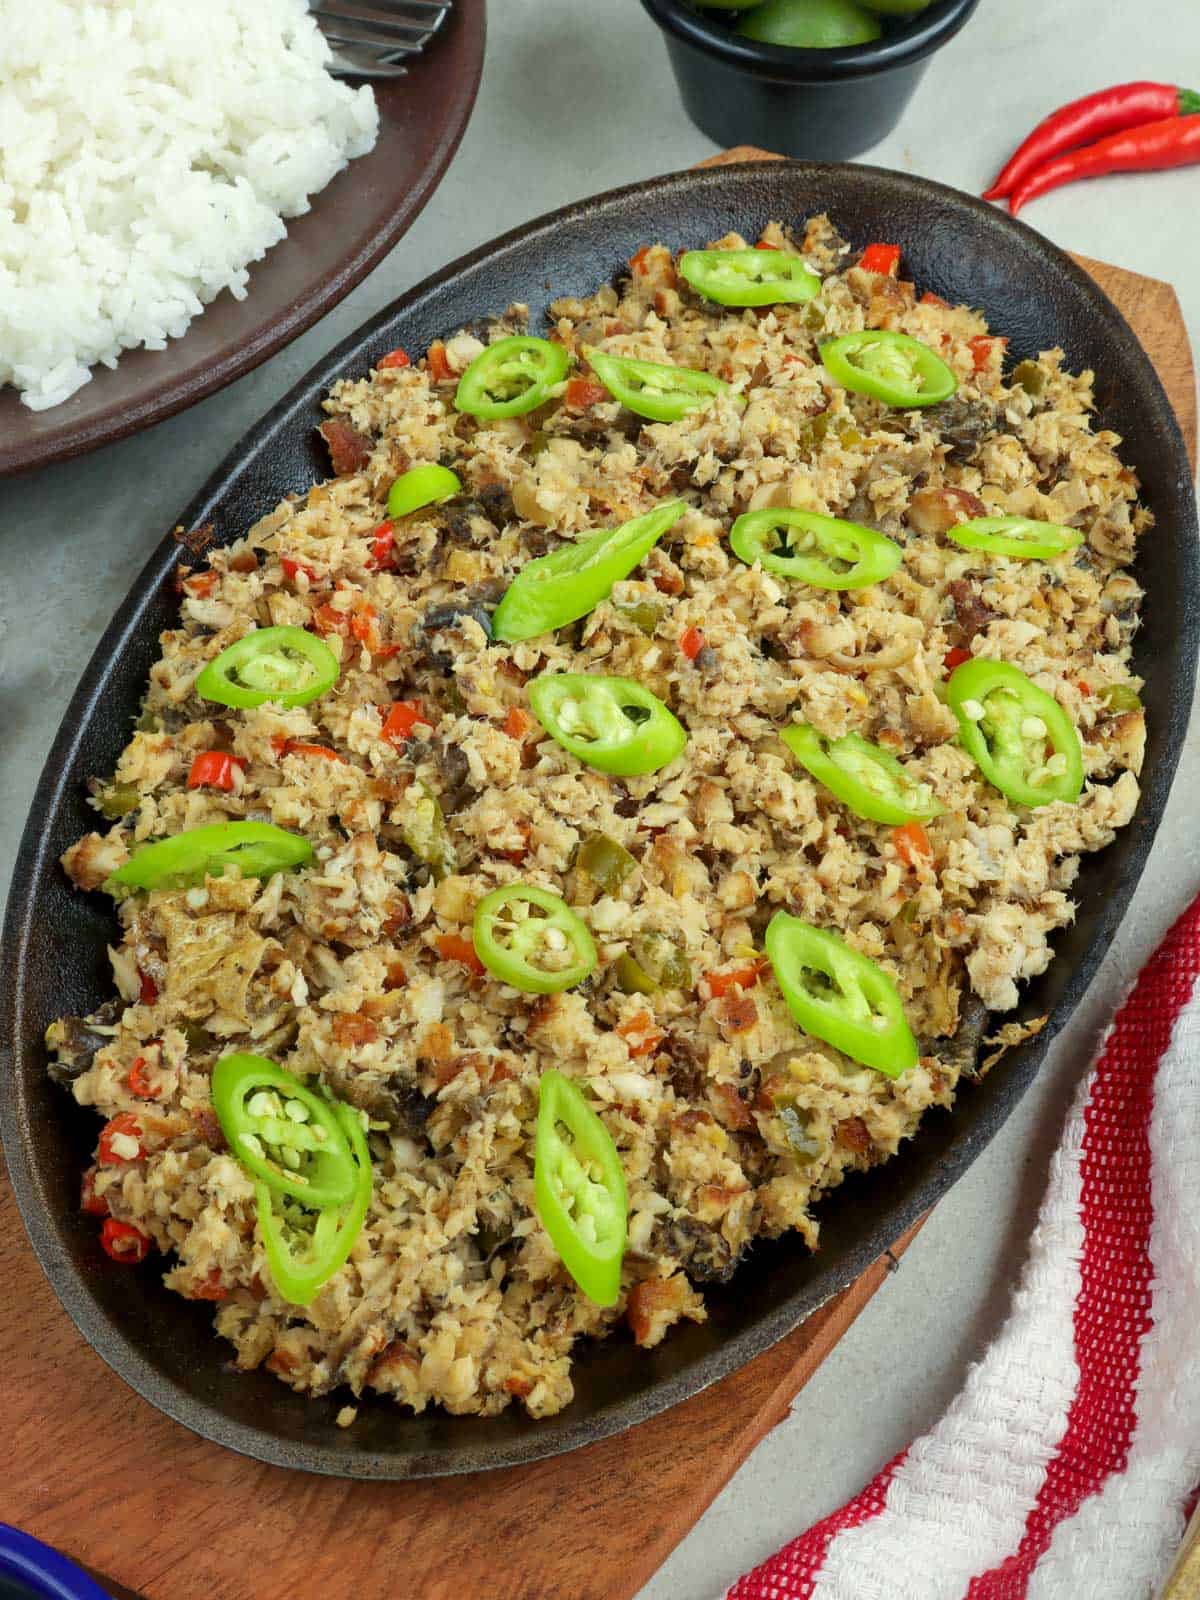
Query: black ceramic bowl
point(823, 105)
point(54, 955)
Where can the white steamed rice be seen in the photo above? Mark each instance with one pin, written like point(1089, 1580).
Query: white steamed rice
point(149, 151)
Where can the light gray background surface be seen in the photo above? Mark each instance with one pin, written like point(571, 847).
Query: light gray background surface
point(577, 97)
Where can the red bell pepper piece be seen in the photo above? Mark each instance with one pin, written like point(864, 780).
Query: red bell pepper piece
point(213, 769)
point(400, 721)
point(122, 1242)
point(881, 258)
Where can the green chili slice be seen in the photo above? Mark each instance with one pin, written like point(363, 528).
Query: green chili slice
point(531, 939)
point(1018, 537)
point(579, 1188)
point(304, 1248)
point(254, 849)
point(282, 1132)
point(748, 277)
point(605, 861)
point(426, 485)
point(511, 377)
point(864, 777)
point(423, 829)
point(1019, 736)
point(1121, 697)
point(285, 665)
point(810, 548)
point(612, 724)
point(651, 389)
point(839, 995)
point(889, 366)
point(559, 588)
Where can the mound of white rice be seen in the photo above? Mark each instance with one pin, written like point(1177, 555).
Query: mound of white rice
point(149, 150)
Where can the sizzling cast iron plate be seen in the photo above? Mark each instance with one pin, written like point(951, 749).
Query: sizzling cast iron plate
point(352, 225)
point(55, 943)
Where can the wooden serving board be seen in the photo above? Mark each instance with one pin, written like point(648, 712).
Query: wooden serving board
point(96, 1471)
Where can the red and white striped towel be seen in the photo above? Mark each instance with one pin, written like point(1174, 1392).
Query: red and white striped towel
point(1065, 1468)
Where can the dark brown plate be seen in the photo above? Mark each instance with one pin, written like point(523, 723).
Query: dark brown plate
point(54, 958)
point(353, 223)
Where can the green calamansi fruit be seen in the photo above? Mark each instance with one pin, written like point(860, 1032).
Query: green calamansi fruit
point(810, 24)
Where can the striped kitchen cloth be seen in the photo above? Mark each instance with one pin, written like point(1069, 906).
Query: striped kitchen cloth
point(1066, 1467)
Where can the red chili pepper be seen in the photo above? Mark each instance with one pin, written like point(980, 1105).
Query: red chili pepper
point(400, 721)
point(200, 584)
point(328, 619)
point(292, 568)
point(213, 1287)
point(394, 358)
point(912, 843)
point(147, 989)
point(213, 769)
point(955, 658)
point(138, 1082)
point(123, 1242)
point(383, 539)
point(691, 642)
point(581, 393)
point(981, 349)
point(720, 983)
point(296, 747)
point(453, 947)
point(1174, 142)
point(127, 1123)
point(640, 1034)
point(517, 723)
point(1128, 105)
point(91, 1203)
point(881, 258)
point(763, 245)
point(440, 369)
point(931, 299)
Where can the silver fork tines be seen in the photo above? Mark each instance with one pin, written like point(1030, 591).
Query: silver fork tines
point(372, 38)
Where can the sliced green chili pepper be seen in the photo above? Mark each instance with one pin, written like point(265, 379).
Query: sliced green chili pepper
point(531, 938)
point(559, 588)
point(1029, 376)
point(287, 1136)
point(421, 486)
point(632, 978)
point(511, 377)
point(579, 1188)
point(118, 800)
point(748, 277)
point(326, 1237)
point(822, 551)
point(613, 724)
point(285, 665)
point(652, 389)
point(663, 960)
point(1018, 537)
point(867, 779)
point(805, 1146)
point(839, 995)
point(254, 849)
point(605, 861)
point(1121, 697)
point(1005, 723)
point(423, 829)
point(645, 614)
point(889, 366)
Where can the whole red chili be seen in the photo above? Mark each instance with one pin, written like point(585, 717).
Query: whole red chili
point(1128, 105)
point(1174, 142)
point(123, 1242)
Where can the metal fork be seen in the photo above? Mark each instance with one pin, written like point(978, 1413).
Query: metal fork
point(374, 38)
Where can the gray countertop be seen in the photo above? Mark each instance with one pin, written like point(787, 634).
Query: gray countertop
point(576, 98)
